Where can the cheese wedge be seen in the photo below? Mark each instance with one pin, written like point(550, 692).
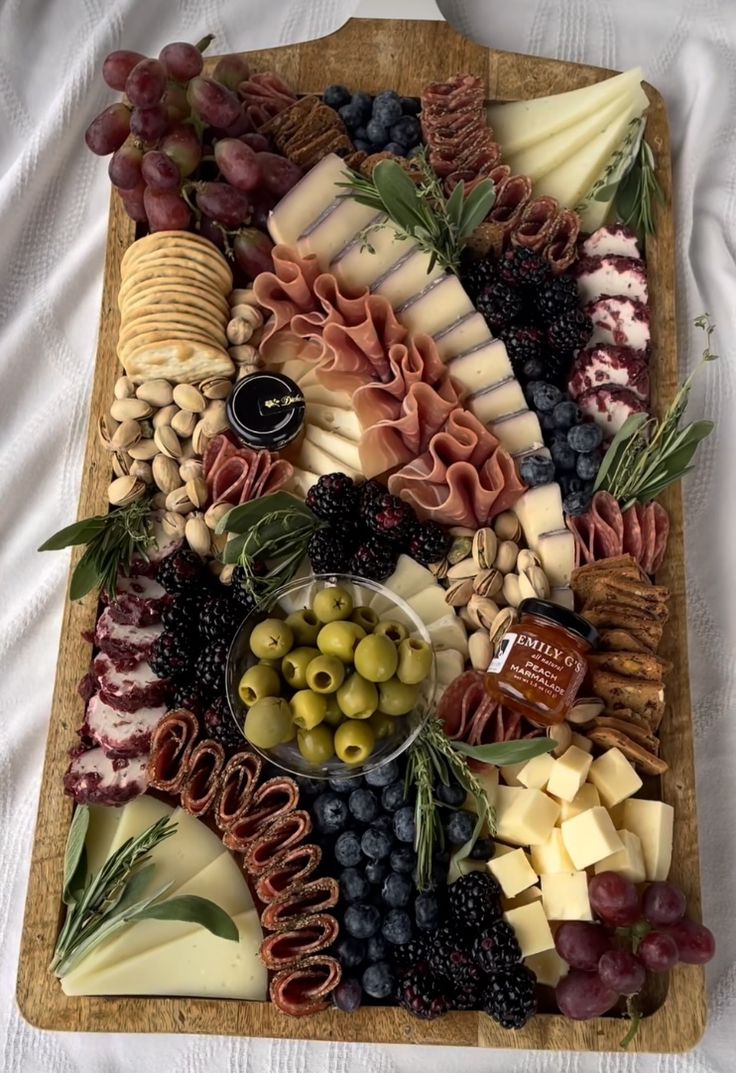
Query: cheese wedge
point(103, 823)
point(335, 419)
point(336, 229)
point(369, 257)
point(407, 279)
point(518, 433)
point(457, 339)
point(307, 201)
point(409, 578)
point(498, 401)
point(449, 632)
point(539, 511)
point(429, 604)
point(482, 367)
point(314, 458)
point(437, 309)
point(652, 822)
point(344, 450)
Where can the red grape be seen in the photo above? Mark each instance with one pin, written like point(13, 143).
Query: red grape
point(223, 203)
point(160, 172)
point(118, 65)
point(125, 167)
point(258, 142)
point(108, 130)
point(209, 229)
point(582, 995)
point(252, 251)
point(622, 972)
point(242, 125)
point(133, 201)
point(175, 102)
point(695, 943)
point(614, 899)
point(184, 148)
point(166, 210)
point(658, 952)
point(231, 71)
point(149, 124)
point(663, 903)
point(214, 104)
point(238, 163)
point(582, 944)
point(260, 209)
point(279, 174)
point(181, 60)
point(145, 84)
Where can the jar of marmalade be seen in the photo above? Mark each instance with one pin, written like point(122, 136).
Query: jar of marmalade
point(541, 661)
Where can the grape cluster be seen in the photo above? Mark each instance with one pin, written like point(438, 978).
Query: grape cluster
point(635, 935)
point(185, 154)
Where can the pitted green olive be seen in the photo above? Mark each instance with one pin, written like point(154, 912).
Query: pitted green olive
point(376, 658)
point(325, 674)
point(365, 617)
point(354, 741)
point(308, 709)
point(333, 715)
point(396, 698)
point(304, 625)
point(332, 604)
point(259, 682)
point(294, 666)
point(268, 723)
point(316, 745)
point(340, 639)
point(357, 697)
point(415, 661)
point(271, 639)
point(395, 631)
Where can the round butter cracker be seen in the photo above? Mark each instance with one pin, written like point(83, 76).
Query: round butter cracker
point(186, 294)
point(132, 328)
point(152, 274)
point(216, 271)
point(178, 361)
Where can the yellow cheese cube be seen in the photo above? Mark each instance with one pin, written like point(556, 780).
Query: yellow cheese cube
point(551, 856)
point(652, 821)
point(569, 773)
point(590, 836)
point(548, 967)
point(524, 817)
point(565, 896)
point(510, 772)
point(581, 742)
point(629, 861)
point(586, 797)
point(531, 927)
point(535, 774)
point(525, 897)
point(468, 865)
point(614, 777)
point(616, 812)
point(513, 872)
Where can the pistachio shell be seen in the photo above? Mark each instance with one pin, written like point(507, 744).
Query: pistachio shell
point(187, 450)
point(167, 442)
point(166, 473)
point(226, 574)
point(158, 501)
point(215, 417)
point(147, 429)
point(214, 513)
point(165, 415)
point(144, 450)
point(126, 435)
point(488, 583)
point(141, 470)
point(172, 524)
point(482, 611)
point(238, 331)
point(461, 531)
point(533, 583)
point(484, 548)
point(219, 540)
point(245, 296)
point(121, 463)
point(459, 592)
point(459, 549)
point(124, 490)
point(480, 650)
point(106, 428)
point(178, 501)
point(189, 469)
point(200, 439)
point(526, 559)
point(506, 555)
point(506, 526)
point(183, 423)
point(197, 535)
point(562, 734)
point(158, 392)
point(466, 619)
point(197, 491)
point(188, 397)
point(217, 387)
point(511, 590)
point(130, 409)
point(501, 624)
point(124, 388)
point(585, 709)
point(440, 569)
point(244, 370)
point(244, 355)
point(462, 569)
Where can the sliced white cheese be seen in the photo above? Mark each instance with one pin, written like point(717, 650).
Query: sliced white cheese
point(407, 279)
point(437, 309)
point(313, 458)
point(103, 823)
point(652, 822)
point(359, 265)
point(449, 632)
point(482, 367)
point(335, 419)
point(322, 395)
point(345, 451)
point(539, 510)
point(519, 433)
point(498, 401)
point(139, 814)
point(450, 665)
point(301, 481)
point(458, 338)
point(557, 555)
point(306, 201)
point(331, 233)
point(409, 578)
point(429, 604)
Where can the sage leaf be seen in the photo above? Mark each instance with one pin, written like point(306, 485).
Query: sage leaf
point(504, 753)
point(242, 518)
point(476, 207)
point(454, 208)
point(74, 855)
point(198, 910)
point(77, 533)
point(85, 577)
point(631, 426)
point(606, 192)
point(399, 195)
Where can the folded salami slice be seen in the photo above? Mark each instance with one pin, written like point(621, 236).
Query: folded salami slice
point(661, 536)
point(282, 834)
point(285, 949)
point(285, 871)
point(317, 896)
point(239, 780)
point(272, 799)
point(562, 247)
point(535, 227)
point(459, 703)
point(172, 744)
point(204, 777)
point(305, 989)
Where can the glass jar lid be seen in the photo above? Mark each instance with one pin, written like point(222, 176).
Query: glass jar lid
point(266, 410)
point(561, 616)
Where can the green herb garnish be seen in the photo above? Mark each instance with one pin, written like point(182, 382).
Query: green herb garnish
point(637, 192)
point(647, 455)
point(619, 164)
point(113, 541)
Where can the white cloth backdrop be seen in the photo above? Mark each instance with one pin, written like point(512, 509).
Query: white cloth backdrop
point(53, 209)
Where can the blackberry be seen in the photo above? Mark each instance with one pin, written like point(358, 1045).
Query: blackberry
point(570, 331)
point(182, 571)
point(181, 616)
point(500, 305)
point(497, 947)
point(428, 543)
point(186, 695)
point(333, 497)
point(510, 998)
point(423, 995)
point(238, 593)
point(220, 619)
point(523, 268)
point(367, 492)
point(523, 345)
point(474, 901)
point(219, 724)
point(374, 559)
point(209, 669)
point(477, 274)
point(328, 552)
point(171, 656)
point(390, 518)
point(412, 955)
point(450, 956)
point(554, 297)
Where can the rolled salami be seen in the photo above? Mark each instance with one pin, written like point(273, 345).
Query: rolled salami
point(272, 799)
point(537, 221)
point(317, 896)
point(285, 949)
point(284, 833)
point(172, 743)
point(305, 989)
point(204, 778)
point(562, 245)
point(287, 870)
point(239, 780)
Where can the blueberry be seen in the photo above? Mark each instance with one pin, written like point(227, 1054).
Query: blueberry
point(383, 775)
point(351, 116)
point(396, 148)
point(379, 980)
point(353, 885)
point(483, 849)
point(585, 438)
point(563, 456)
point(406, 131)
point(330, 813)
point(344, 786)
point(347, 849)
point(545, 396)
point(459, 827)
point(403, 859)
point(546, 422)
point(392, 796)
point(363, 804)
point(376, 871)
point(576, 503)
point(387, 95)
point(364, 103)
point(570, 485)
point(376, 948)
point(350, 952)
point(362, 146)
point(588, 465)
point(387, 108)
point(404, 824)
point(384, 822)
point(533, 369)
point(397, 927)
point(308, 787)
point(410, 105)
point(415, 151)
point(362, 133)
point(376, 843)
point(397, 889)
point(536, 469)
point(451, 794)
point(336, 96)
point(348, 995)
point(566, 414)
point(377, 133)
point(362, 920)
point(426, 911)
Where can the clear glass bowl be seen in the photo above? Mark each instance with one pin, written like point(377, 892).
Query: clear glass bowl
point(293, 597)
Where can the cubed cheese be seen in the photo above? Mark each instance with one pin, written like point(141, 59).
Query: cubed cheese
point(539, 511)
point(653, 822)
point(590, 837)
point(535, 773)
point(565, 896)
point(551, 856)
point(524, 817)
point(531, 927)
point(510, 773)
point(468, 865)
point(513, 872)
point(525, 897)
point(629, 861)
point(557, 555)
point(586, 797)
point(582, 742)
point(614, 777)
point(569, 773)
point(548, 967)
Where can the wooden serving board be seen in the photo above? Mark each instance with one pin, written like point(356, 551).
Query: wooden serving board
point(372, 55)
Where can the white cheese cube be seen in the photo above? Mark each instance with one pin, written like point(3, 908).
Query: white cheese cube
point(524, 817)
point(510, 772)
point(535, 773)
point(590, 837)
point(519, 433)
point(539, 511)
point(569, 773)
point(653, 822)
point(616, 812)
point(614, 777)
point(557, 554)
point(551, 856)
point(448, 632)
point(629, 861)
point(531, 927)
point(479, 368)
point(458, 338)
point(565, 896)
point(582, 743)
point(468, 865)
point(432, 311)
point(429, 604)
point(548, 967)
point(586, 797)
point(513, 872)
point(408, 278)
point(498, 401)
point(525, 897)
point(564, 597)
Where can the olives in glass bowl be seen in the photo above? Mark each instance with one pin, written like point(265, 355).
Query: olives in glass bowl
point(335, 676)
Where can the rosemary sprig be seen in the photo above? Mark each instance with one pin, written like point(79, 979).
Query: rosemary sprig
point(637, 192)
point(620, 163)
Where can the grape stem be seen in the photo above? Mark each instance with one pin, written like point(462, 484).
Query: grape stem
point(632, 1008)
point(185, 189)
point(205, 42)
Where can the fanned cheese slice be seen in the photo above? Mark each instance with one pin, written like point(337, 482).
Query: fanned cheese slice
point(335, 419)
point(103, 824)
point(345, 451)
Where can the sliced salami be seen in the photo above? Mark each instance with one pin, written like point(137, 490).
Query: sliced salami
point(632, 540)
point(284, 833)
point(285, 949)
point(239, 780)
point(287, 870)
point(172, 744)
point(536, 224)
point(274, 798)
point(317, 896)
point(648, 535)
point(459, 703)
point(661, 535)
point(305, 989)
point(562, 246)
point(204, 777)
point(512, 196)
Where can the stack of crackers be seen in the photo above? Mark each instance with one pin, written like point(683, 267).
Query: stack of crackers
point(174, 309)
point(626, 672)
point(307, 131)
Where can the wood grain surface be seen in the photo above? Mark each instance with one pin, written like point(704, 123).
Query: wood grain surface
point(372, 55)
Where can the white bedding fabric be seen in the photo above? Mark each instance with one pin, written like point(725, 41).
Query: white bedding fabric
point(53, 214)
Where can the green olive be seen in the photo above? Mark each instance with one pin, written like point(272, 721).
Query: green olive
point(383, 725)
point(415, 660)
point(308, 709)
point(340, 639)
point(294, 666)
point(275, 663)
point(268, 723)
point(332, 604)
point(333, 715)
point(271, 639)
point(376, 658)
point(396, 698)
point(304, 625)
point(316, 745)
point(259, 682)
point(365, 617)
point(357, 697)
point(395, 631)
point(325, 674)
point(354, 741)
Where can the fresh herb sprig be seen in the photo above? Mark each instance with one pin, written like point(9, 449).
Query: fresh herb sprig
point(100, 905)
point(647, 455)
point(620, 163)
point(440, 226)
point(637, 192)
point(113, 541)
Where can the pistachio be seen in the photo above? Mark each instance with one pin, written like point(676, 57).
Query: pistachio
point(482, 611)
point(485, 542)
point(197, 491)
point(226, 574)
point(462, 569)
point(526, 559)
point(480, 650)
point(238, 331)
point(141, 470)
point(511, 590)
point(506, 526)
point(459, 549)
point(187, 450)
point(143, 451)
point(465, 618)
point(488, 583)
point(165, 415)
point(244, 355)
point(215, 417)
point(214, 513)
point(121, 463)
point(533, 583)
point(146, 428)
point(188, 397)
point(197, 535)
point(461, 531)
point(167, 442)
point(190, 468)
point(505, 560)
point(219, 540)
point(158, 392)
point(183, 423)
point(126, 435)
point(127, 409)
point(200, 439)
point(244, 296)
point(585, 710)
point(562, 734)
point(440, 569)
point(244, 370)
point(172, 524)
point(216, 387)
point(459, 592)
point(158, 501)
point(501, 624)
point(249, 312)
point(124, 388)
point(124, 490)
point(165, 472)
point(106, 428)
point(178, 501)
